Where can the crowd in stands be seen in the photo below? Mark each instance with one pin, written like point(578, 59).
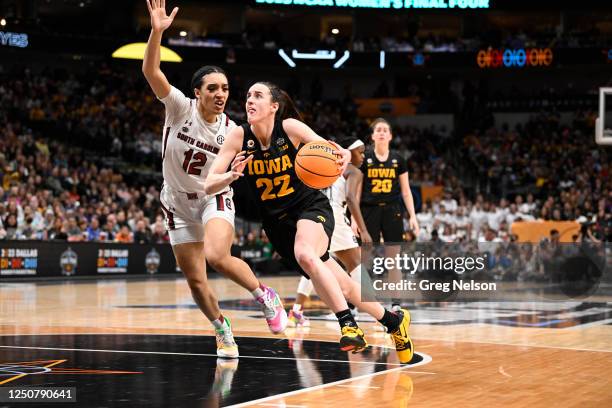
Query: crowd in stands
point(65, 139)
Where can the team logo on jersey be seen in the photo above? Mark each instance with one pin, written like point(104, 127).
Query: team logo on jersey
point(280, 141)
point(220, 139)
point(321, 218)
point(250, 143)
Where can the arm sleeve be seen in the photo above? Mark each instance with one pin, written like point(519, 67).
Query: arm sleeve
point(177, 106)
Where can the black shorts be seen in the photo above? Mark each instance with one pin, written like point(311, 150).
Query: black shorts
point(281, 230)
point(385, 219)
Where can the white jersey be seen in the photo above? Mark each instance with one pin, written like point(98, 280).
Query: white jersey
point(189, 144)
point(336, 194)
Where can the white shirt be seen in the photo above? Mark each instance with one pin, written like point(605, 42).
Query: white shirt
point(337, 194)
point(450, 205)
point(189, 143)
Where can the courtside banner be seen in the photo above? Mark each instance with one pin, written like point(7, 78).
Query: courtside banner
point(28, 259)
point(485, 271)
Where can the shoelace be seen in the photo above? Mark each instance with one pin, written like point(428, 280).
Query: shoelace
point(351, 330)
point(268, 302)
point(398, 339)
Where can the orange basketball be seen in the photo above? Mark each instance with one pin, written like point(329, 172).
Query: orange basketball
point(316, 166)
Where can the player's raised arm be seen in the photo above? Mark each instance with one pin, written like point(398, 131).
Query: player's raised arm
point(160, 21)
point(218, 176)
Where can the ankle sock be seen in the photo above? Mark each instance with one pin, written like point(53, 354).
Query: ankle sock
point(390, 320)
point(345, 318)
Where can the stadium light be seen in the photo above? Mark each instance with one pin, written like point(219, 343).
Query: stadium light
point(137, 50)
point(3, 22)
point(335, 31)
point(183, 33)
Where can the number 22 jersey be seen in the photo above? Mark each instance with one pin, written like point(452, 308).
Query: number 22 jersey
point(271, 173)
point(189, 144)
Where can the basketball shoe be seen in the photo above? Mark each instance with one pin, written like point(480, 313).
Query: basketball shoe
point(226, 345)
point(353, 339)
point(297, 319)
point(273, 310)
point(403, 343)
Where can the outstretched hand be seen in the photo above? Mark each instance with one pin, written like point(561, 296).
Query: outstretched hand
point(160, 21)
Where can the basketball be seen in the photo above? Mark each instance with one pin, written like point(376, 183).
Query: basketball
point(315, 165)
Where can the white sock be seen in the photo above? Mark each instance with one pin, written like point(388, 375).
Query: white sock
point(356, 274)
point(305, 286)
point(297, 307)
point(257, 293)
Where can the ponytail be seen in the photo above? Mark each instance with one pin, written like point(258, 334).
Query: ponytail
point(287, 108)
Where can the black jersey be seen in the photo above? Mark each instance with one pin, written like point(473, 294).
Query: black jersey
point(381, 179)
point(271, 173)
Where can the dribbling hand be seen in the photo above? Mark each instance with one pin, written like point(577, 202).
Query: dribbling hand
point(345, 156)
point(160, 21)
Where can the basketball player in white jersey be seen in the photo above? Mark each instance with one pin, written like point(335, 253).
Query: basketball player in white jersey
point(193, 133)
point(344, 246)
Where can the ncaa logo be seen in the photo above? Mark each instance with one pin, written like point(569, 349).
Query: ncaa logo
point(185, 129)
point(220, 139)
point(369, 160)
point(228, 203)
point(250, 143)
point(280, 141)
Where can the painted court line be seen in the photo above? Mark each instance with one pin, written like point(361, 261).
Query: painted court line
point(426, 360)
point(194, 354)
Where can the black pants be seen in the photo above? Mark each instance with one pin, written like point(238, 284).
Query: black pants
point(384, 219)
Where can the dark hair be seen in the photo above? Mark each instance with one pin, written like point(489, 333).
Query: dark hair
point(198, 76)
point(377, 121)
point(287, 108)
point(346, 141)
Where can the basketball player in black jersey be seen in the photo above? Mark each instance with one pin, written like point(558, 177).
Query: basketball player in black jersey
point(297, 219)
point(385, 186)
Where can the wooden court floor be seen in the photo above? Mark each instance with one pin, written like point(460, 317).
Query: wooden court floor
point(514, 354)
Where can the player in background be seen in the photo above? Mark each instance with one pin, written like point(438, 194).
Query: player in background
point(385, 188)
point(344, 246)
point(298, 220)
point(194, 131)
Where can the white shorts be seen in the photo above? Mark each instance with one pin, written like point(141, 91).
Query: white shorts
point(187, 213)
point(343, 237)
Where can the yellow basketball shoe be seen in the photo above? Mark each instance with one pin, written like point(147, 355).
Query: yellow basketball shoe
point(403, 343)
point(353, 339)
